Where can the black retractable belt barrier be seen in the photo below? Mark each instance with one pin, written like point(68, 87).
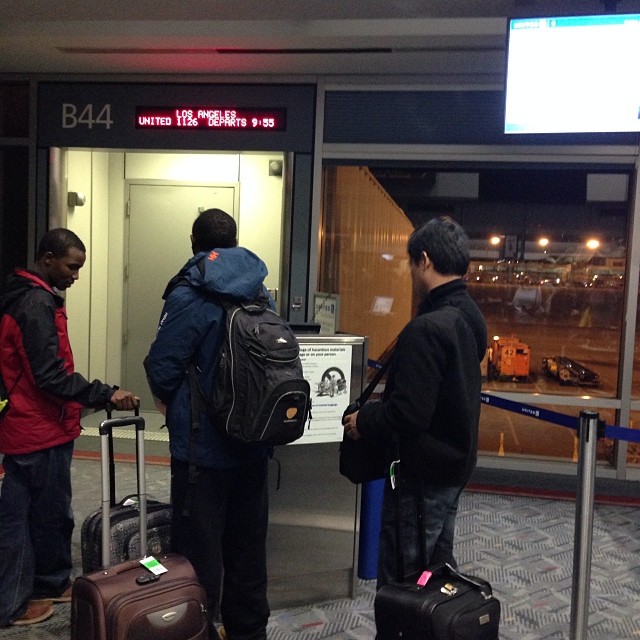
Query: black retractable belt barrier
point(561, 419)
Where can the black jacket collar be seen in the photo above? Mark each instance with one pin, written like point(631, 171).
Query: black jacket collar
point(438, 297)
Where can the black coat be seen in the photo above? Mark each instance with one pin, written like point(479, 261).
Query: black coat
point(432, 396)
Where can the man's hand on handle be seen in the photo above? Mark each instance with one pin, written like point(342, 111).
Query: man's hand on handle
point(124, 400)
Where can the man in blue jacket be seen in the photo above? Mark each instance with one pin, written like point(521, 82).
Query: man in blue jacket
point(430, 409)
point(220, 520)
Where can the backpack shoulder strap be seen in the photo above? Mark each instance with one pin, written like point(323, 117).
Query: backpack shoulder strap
point(197, 405)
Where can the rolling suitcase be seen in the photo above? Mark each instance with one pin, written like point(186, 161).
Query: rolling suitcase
point(440, 605)
point(124, 534)
point(451, 606)
point(127, 600)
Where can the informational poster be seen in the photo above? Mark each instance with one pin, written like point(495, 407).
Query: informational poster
point(327, 368)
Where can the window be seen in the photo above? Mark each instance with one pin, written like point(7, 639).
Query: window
point(548, 250)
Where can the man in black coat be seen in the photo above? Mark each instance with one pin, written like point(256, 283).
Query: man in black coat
point(429, 413)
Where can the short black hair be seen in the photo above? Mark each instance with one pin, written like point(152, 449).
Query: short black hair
point(58, 242)
point(446, 244)
point(214, 229)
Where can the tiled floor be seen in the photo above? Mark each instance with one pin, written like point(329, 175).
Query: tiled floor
point(522, 545)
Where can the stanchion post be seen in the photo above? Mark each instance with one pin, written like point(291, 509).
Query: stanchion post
point(581, 577)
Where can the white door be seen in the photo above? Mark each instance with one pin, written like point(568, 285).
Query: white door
point(160, 219)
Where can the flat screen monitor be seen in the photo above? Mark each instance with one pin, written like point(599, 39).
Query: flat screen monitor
point(573, 75)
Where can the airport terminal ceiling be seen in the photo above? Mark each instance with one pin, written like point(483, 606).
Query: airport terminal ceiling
point(289, 9)
point(279, 37)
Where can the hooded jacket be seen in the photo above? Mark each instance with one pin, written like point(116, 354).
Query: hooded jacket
point(431, 401)
point(36, 364)
point(191, 329)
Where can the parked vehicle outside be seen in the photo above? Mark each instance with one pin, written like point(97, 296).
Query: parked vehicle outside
point(569, 372)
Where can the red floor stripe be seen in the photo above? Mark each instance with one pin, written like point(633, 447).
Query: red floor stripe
point(552, 494)
point(527, 492)
point(162, 461)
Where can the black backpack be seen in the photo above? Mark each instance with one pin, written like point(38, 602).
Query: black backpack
point(259, 393)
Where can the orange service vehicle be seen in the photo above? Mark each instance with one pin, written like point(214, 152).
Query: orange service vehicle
point(509, 359)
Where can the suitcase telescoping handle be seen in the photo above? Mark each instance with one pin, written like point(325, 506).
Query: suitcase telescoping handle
point(106, 458)
point(110, 408)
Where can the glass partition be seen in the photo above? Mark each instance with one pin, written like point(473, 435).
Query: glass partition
point(549, 250)
point(560, 309)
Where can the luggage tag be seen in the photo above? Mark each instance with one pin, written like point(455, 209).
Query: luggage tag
point(149, 562)
point(425, 576)
point(392, 473)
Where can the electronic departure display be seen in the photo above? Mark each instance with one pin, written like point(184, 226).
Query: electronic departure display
point(213, 118)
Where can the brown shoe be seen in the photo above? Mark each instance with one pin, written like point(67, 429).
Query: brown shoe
point(36, 612)
point(65, 596)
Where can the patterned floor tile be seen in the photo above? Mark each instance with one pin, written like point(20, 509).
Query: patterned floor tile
point(523, 545)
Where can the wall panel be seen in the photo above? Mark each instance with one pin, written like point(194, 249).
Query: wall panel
point(363, 256)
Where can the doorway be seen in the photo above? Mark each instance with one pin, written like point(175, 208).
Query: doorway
point(157, 245)
point(136, 224)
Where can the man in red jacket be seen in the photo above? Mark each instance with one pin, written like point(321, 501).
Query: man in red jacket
point(38, 429)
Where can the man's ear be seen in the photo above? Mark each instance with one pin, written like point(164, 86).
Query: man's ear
point(425, 262)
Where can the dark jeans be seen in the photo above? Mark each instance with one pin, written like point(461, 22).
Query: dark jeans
point(36, 523)
point(440, 508)
point(224, 537)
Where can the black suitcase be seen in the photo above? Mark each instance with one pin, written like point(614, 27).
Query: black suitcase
point(440, 605)
point(451, 606)
point(124, 532)
point(127, 601)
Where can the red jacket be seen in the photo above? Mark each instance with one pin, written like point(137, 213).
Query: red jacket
point(36, 364)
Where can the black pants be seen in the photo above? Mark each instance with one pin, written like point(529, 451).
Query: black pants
point(36, 523)
point(224, 537)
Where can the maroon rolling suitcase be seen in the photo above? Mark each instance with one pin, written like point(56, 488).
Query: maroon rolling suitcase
point(127, 601)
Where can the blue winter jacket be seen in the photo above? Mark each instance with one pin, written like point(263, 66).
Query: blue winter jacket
point(191, 330)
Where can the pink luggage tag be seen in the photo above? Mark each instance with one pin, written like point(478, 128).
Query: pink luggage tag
point(424, 578)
